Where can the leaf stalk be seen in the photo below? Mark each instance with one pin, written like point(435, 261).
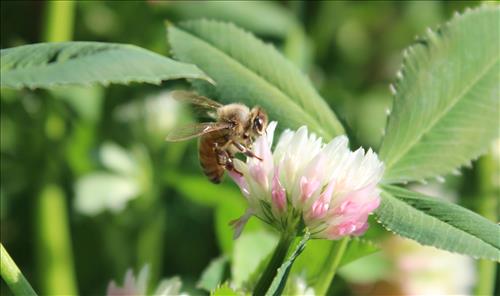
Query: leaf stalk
point(13, 276)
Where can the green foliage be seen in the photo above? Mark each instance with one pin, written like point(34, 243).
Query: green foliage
point(55, 138)
point(251, 248)
point(369, 269)
point(46, 65)
point(226, 212)
point(247, 70)
point(446, 106)
point(12, 275)
point(226, 201)
point(330, 265)
point(440, 224)
point(279, 280)
point(261, 17)
point(199, 190)
point(312, 259)
point(224, 290)
point(358, 248)
point(214, 274)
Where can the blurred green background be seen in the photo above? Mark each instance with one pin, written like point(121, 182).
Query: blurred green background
point(89, 188)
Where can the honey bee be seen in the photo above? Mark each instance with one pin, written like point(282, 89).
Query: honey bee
point(234, 131)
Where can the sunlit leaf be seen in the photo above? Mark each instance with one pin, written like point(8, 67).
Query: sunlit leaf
point(228, 203)
point(250, 71)
point(200, 190)
point(45, 65)
point(214, 274)
point(225, 233)
point(440, 224)
point(224, 290)
point(263, 18)
point(313, 258)
point(369, 269)
point(446, 104)
point(250, 249)
point(358, 248)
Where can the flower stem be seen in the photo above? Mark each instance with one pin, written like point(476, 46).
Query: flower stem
point(54, 250)
point(59, 20)
point(150, 246)
point(55, 266)
point(13, 276)
point(330, 267)
point(276, 261)
point(486, 206)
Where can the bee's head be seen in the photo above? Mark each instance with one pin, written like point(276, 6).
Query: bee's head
point(258, 121)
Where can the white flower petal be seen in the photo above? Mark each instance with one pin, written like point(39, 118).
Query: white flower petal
point(306, 167)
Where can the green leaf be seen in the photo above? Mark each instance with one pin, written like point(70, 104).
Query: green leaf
point(358, 248)
point(12, 276)
point(224, 290)
point(224, 214)
point(229, 211)
point(279, 280)
point(214, 274)
point(261, 17)
point(200, 190)
point(369, 269)
point(250, 249)
point(250, 71)
point(312, 260)
point(266, 19)
point(440, 224)
point(227, 202)
point(446, 105)
point(45, 65)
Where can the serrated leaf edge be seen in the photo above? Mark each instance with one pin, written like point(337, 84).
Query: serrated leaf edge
point(393, 87)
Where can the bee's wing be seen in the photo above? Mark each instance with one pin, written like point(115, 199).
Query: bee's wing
point(195, 99)
point(195, 130)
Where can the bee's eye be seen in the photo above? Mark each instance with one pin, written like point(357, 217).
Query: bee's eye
point(258, 124)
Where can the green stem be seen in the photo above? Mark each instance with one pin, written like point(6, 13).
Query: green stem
point(487, 204)
point(13, 276)
point(59, 19)
point(486, 271)
point(54, 252)
point(330, 268)
point(276, 261)
point(151, 244)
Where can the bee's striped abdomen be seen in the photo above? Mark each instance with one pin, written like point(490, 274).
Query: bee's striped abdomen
point(208, 156)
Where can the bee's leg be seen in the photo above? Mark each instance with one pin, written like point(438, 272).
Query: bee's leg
point(230, 167)
point(226, 160)
point(246, 151)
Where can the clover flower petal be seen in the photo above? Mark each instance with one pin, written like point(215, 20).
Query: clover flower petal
point(328, 187)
